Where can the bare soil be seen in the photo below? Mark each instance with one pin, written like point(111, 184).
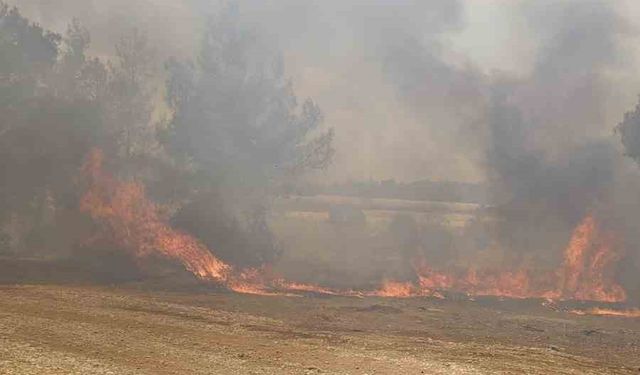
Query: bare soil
point(50, 329)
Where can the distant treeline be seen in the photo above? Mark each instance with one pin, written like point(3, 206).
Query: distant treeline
point(424, 190)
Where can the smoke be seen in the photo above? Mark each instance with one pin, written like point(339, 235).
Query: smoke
point(411, 94)
point(170, 25)
point(370, 65)
point(551, 156)
point(409, 102)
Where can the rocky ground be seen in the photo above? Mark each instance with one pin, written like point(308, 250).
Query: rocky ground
point(133, 330)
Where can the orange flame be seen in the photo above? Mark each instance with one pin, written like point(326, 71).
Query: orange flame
point(396, 289)
point(597, 311)
point(135, 224)
point(590, 260)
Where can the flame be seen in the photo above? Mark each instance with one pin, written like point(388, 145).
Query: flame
point(590, 260)
point(310, 288)
point(586, 274)
point(136, 224)
point(633, 313)
point(512, 284)
point(396, 289)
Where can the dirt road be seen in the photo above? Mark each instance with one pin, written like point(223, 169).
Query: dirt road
point(92, 330)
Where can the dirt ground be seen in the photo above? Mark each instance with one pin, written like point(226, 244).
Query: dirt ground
point(134, 330)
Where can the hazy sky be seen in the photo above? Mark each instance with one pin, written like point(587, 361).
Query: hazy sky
point(402, 82)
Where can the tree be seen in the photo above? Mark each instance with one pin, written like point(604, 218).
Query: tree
point(121, 89)
point(629, 130)
point(131, 105)
point(44, 132)
point(27, 54)
point(235, 112)
point(56, 104)
point(73, 59)
point(26, 47)
point(238, 126)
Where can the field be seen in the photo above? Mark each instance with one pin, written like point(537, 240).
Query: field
point(346, 254)
point(378, 210)
point(135, 330)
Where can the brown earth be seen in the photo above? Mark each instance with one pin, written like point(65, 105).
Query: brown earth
point(138, 330)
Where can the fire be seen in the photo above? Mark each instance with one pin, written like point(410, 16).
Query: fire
point(309, 288)
point(634, 313)
point(136, 224)
point(586, 274)
point(473, 282)
point(396, 289)
point(590, 260)
point(575, 253)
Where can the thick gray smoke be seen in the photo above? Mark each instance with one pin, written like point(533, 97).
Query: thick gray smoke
point(552, 157)
point(384, 73)
point(408, 103)
point(546, 156)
